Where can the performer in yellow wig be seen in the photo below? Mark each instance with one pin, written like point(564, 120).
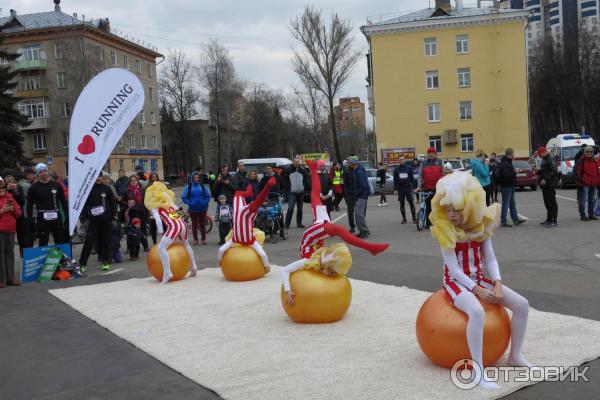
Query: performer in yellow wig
point(463, 226)
point(161, 202)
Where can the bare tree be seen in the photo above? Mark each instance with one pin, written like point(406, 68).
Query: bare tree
point(224, 93)
point(326, 59)
point(311, 105)
point(179, 100)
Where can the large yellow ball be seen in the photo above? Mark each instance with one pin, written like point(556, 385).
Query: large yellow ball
point(242, 263)
point(178, 257)
point(441, 331)
point(319, 298)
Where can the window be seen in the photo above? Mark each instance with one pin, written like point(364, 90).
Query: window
point(60, 80)
point(433, 112)
point(466, 142)
point(432, 79)
point(33, 52)
point(65, 139)
point(33, 109)
point(430, 46)
point(144, 142)
point(462, 44)
point(121, 164)
point(32, 82)
point(152, 118)
point(142, 118)
point(465, 110)
point(59, 51)
point(154, 142)
point(120, 143)
point(464, 77)
point(132, 141)
point(133, 164)
point(138, 67)
point(100, 53)
point(436, 143)
point(149, 68)
point(39, 141)
point(151, 94)
point(125, 61)
point(113, 58)
point(65, 110)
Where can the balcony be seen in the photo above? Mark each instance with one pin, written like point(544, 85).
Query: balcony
point(28, 65)
point(26, 94)
point(36, 123)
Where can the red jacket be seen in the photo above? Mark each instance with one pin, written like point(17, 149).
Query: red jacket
point(8, 221)
point(587, 172)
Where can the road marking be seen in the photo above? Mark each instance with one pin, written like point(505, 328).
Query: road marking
point(338, 218)
point(114, 271)
point(567, 198)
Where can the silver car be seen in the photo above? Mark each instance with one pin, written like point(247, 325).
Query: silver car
point(389, 183)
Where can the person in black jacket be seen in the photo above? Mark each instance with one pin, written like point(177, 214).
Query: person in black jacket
point(381, 179)
point(348, 178)
point(547, 176)
point(403, 185)
point(326, 187)
point(506, 177)
point(224, 186)
point(296, 180)
point(269, 172)
point(49, 199)
point(100, 208)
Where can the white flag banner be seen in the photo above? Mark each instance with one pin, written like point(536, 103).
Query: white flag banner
point(104, 110)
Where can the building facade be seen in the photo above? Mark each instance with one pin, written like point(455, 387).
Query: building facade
point(59, 55)
point(350, 113)
point(452, 79)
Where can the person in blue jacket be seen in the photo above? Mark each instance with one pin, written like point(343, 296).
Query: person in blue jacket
point(197, 196)
point(361, 191)
point(481, 171)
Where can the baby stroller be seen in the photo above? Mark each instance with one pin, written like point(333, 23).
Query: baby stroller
point(270, 218)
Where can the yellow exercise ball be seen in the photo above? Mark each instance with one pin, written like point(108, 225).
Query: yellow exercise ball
point(441, 331)
point(178, 257)
point(319, 298)
point(242, 263)
point(258, 234)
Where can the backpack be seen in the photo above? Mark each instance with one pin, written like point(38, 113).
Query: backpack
point(498, 173)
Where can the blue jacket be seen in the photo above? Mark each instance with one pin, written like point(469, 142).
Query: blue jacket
point(481, 171)
point(196, 196)
point(360, 183)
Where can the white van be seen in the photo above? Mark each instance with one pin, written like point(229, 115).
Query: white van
point(259, 164)
point(564, 148)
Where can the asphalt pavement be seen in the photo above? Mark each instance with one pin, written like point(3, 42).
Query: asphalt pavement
point(50, 351)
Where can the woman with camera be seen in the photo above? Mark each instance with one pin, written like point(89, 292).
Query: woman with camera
point(10, 211)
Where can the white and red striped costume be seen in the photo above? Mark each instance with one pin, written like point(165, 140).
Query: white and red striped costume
point(176, 226)
point(465, 269)
point(315, 235)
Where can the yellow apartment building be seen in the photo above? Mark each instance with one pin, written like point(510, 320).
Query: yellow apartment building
point(453, 79)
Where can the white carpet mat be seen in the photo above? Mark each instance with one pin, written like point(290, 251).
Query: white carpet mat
point(235, 339)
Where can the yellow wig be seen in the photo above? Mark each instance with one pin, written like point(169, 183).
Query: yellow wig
point(464, 193)
point(159, 196)
point(339, 257)
point(258, 235)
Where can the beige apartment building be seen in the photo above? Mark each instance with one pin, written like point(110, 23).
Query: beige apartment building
point(60, 53)
point(350, 113)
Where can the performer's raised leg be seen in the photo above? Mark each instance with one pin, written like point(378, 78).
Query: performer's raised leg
point(337, 230)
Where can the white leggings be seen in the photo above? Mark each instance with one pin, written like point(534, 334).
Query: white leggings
point(256, 246)
point(467, 302)
point(164, 244)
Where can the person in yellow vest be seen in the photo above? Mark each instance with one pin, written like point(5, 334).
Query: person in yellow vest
point(338, 184)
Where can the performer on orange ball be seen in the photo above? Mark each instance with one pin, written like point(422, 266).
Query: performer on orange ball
point(463, 226)
point(329, 261)
point(243, 221)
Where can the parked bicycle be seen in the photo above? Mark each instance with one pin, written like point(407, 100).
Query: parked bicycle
point(422, 214)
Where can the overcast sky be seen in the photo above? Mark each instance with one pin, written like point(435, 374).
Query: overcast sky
point(255, 31)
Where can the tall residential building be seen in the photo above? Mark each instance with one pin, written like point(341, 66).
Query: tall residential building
point(60, 53)
point(350, 113)
point(452, 79)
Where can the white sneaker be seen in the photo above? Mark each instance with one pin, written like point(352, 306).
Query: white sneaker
point(379, 205)
point(385, 204)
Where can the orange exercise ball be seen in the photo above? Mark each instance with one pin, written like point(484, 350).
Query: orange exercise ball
point(178, 257)
point(319, 298)
point(242, 263)
point(441, 331)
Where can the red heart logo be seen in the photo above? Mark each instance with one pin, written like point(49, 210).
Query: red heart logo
point(87, 145)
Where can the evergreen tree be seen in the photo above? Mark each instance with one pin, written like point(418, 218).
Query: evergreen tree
point(11, 138)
